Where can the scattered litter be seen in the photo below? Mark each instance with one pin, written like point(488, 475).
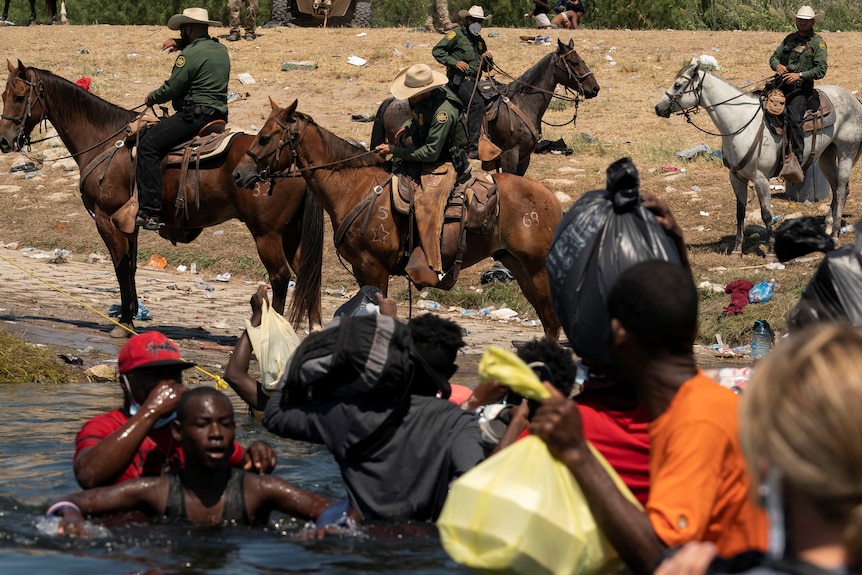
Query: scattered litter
point(503, 313)
point(157, 262)
point(707, 60)
point(691, 152)
point(142, 315)
point(704, 213)
point(221, 324)
point(670, 169)
point(71, 359)
point(497, 274)
point(25, 167)
point(225, 277)
point(493, 35)
point(301, 65)
point(246, 78)
point(181, 268)
point(398, 53)
point(218, 232)
point(775, 266)
point(361, 34)
point(361, 118)
point(357, 61)
point(236, 97)
point(194, 268)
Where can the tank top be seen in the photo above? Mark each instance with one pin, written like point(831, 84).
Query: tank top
point(233, 511)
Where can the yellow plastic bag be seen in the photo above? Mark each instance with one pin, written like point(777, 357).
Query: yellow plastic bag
point(273, 343)
point(521, 511)
point(510, 371)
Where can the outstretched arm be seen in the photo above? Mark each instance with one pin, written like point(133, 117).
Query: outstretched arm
point(236, 372)
point(267, 493)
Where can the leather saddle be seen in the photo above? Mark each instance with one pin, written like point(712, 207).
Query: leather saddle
point(819, 114)
point(491, 91)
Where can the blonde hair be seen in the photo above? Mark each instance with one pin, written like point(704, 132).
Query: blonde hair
point(801, 413)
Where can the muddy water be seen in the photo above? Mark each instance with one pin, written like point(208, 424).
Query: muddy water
point(39, 423)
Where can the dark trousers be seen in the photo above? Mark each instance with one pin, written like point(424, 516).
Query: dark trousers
point(475, 108)
point(154, 145)
point(796, 102)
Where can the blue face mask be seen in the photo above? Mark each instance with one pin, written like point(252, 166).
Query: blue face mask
point(475, 28)
point(135, 407)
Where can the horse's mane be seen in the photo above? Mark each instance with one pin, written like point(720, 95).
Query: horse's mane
point(348, 154)
point(71, 100)
point(530, 78)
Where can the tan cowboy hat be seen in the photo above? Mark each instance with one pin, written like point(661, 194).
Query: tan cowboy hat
point(475, 12)
point(192, 16)
point(415, 80)
point(807, 13)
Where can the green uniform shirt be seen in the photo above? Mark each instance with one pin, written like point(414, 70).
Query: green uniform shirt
point(436, 126)
point(459, 45)
point(202, 69)
point(805, 55)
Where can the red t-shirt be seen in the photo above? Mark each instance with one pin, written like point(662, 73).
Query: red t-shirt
point(157, 454)
point(622, 438)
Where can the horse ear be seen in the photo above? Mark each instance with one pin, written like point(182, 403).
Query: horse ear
point(572, 43)
point(693, 61)
point(273, 105)
point(292, 108)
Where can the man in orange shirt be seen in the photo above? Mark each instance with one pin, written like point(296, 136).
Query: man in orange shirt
point(698, 485)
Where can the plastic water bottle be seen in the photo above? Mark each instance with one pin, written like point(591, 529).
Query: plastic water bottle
point(761, 341)
point(428, 304)
point(487, 310)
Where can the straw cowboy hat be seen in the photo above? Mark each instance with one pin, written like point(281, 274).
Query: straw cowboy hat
point(415, 80)
point(192, 16)
point(807, 13)
point(475, 12)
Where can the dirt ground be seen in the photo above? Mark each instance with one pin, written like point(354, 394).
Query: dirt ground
point(42, 210)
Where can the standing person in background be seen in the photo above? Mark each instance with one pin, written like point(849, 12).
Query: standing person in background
point(569, 14)
point(51, 11)
point(234, 8)
point(465, 55)
point(197, 90)
point(439, 10)
point(799, 60)
point(800, 433)
point(31, 21)
point(540, 14)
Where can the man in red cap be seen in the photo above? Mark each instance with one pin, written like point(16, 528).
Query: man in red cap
point(135, 441)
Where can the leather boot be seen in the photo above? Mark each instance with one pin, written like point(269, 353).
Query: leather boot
point(418, 270)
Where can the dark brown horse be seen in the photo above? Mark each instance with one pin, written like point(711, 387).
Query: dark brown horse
point(281, 219)
point(354, 186)
point(515, 134)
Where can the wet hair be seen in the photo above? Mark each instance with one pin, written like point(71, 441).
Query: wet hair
point(561, 368)
point(656, 302)
point(800, 413)
point(437, 340)
point(201, 391)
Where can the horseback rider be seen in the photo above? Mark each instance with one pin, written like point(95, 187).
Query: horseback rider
point(197, 89)
point(799, 60)
point(432, 141)
point(465, 55)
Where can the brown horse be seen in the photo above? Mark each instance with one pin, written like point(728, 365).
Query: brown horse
point(282, 219)
point(354, 186)
point(516, 134)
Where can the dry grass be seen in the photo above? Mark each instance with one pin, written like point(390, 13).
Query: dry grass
point(633, 69)
point(20, 361)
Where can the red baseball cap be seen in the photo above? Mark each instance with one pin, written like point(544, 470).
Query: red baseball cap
point(150, 349)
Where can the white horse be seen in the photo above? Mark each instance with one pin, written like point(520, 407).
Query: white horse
point(754, 153)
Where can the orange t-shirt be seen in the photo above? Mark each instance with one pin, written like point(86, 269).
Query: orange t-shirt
point(698, 484)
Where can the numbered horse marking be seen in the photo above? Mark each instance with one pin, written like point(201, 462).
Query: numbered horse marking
point(531, 219)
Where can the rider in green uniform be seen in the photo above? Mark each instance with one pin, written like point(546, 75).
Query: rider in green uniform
point(799, 60)
point(197, 90)
point(464, 53)
point(436, 134)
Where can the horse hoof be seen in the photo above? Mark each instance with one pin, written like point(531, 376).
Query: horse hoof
point(120, 331)
point(736, 254)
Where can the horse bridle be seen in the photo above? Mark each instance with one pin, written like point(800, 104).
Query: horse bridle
point(23, 139)
point(265, 173)
point(698, 91)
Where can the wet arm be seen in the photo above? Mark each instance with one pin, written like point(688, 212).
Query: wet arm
point(280, 495)
point(236, 374)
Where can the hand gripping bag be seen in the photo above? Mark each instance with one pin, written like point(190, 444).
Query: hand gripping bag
point(603, 233)
point(273, 342)
point(521, 511)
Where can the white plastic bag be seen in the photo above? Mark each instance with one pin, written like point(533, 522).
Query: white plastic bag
point(273, 343)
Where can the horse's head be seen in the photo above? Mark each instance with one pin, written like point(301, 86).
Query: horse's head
point(266, 156)
point(572, 72)
point(23, 107)
point(685, 92)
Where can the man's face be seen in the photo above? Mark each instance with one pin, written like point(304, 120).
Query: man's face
point(144, 380)
point(184, 32)
point(207, 431)
point(804, 25)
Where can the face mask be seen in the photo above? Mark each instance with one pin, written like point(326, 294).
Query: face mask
point(475, 28)
point(135, 407)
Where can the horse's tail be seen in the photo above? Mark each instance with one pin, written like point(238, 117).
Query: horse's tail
point(306, 297)
point(378, 130)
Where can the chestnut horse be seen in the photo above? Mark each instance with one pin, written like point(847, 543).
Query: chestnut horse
point(282, 219)
point(354, 186)
point(516, 134)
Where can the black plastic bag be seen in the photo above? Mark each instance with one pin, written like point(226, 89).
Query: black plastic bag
point(833, 294)
point(602, 234)
point(801, 236)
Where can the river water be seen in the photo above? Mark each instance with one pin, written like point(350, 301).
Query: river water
point(39, 423)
